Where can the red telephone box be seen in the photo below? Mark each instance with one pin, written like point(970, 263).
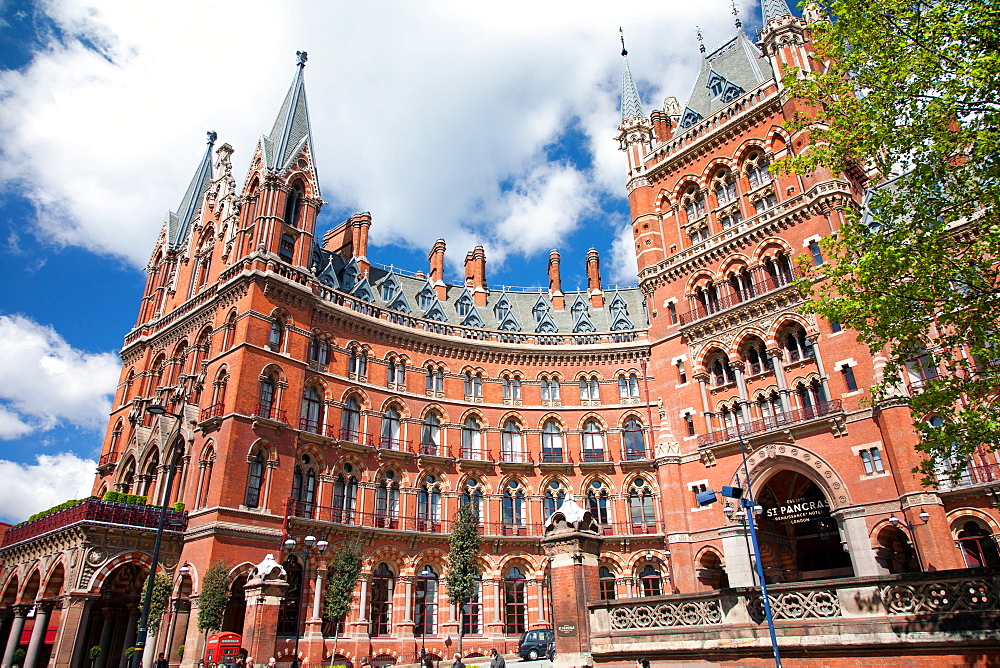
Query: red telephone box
point(222, 648)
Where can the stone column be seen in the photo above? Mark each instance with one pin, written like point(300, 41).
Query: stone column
point(131, 629)
point(777, 361)
point(814, 342)
point(739, 567)
point(540, 593)
point(182, 618)
point(42, 611)
point(572, 543)
point(854, 531)
point(14, 638)
point(69, 650)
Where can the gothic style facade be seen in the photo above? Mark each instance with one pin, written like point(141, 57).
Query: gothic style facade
point(316, 393)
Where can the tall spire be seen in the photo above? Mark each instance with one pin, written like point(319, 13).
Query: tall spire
point(179, 223)
point(291, 128)
point(631, 107)
point(772, 9)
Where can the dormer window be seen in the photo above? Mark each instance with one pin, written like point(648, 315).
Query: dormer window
point(464, 305)
point(426, 297)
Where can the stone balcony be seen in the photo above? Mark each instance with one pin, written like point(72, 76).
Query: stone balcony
point(908, 612)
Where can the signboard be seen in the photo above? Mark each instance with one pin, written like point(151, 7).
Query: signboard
point(566, 629)
point(796, 511)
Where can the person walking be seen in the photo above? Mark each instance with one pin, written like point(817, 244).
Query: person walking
point(458, 661)
point(497, 659)
point(161, 662)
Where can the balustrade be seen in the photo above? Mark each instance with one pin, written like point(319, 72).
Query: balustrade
point(771, 422)
point(95, 510)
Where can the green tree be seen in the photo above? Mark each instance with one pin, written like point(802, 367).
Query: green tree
point(344, 571)
point(162, 586)
point(463, 562)
point(905, 94)
point(212, 598)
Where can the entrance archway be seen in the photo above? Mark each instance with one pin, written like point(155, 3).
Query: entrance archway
point(977, 545)
point(799, 538)
point(895, 552)
point(114, 616)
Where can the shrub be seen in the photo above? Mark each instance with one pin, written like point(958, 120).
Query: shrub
point(178, 506)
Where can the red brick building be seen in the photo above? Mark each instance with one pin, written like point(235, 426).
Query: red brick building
point(321, 394)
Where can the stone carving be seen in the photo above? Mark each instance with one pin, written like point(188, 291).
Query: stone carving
point(269, 569)
point(666, 615)
point(954, 596)
point(814, 604)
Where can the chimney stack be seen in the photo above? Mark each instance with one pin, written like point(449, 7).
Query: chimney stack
point(594, 279)
point(555, 282)
point(360, 224)
point(662, 126)
point(479, 289)
point(436, 274)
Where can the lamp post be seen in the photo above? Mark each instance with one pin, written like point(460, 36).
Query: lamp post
point(309, 546)
point(140, 636)
point(425, 576)
point(925, 517)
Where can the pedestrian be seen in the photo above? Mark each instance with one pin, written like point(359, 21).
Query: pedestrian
point(642, 662)
point(241, 661)
point(271, 663)
point(458, 661)
point(427, 661)
point(249, 662)
point(497, 659)
point(161, 661)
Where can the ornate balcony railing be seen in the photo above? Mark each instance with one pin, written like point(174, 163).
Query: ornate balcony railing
point(215, 410)
point(108, 458)
point(728, 301)
point(634, 455)
point(555, 457)
point(413, 523)
point(970, 477)
point(350, 436)
point(269, 412)
point(392, 443)
point(771, 422)
point(95, 510)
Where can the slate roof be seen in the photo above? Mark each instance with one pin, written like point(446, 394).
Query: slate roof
point(179, 222)
point(291, 128)
point(734, 68)
point(403, 295)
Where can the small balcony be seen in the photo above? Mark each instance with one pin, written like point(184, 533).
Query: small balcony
point(735, 299)
point(107, 459)
point(971, 476)
point(95, 510)
point(772, 422)
point(350, 436)
point(213, 411)
point(269, 412)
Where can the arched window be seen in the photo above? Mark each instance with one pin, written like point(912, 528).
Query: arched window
point(472, 611)
point(513, 507)
point(606, 579)
point(293, 205)
point(472, 493)
point(350, 421)
point(345, 495)
point(628, 387)
point(652, 583)
point(593, 442)
point(319, 350)
point(387, 501)
point(472, 439)
point(724, 187)
point(778, 270)
point(510, 442)
point(795, 343)
point(721, 370)
point(277, 333)
point(757, 170)
point(265, 406)
point(435, 381)
point(357, 364)
point(391, 426)
point(552, 443)
point(511, 389)
point(380, 614)
point(977, 545)
point(640, 503)
point(430, 435)
point(550, 390)
point(473, 385)
point(429, 504)
point(304, 487)
point(396, 373)
point(755, 357)
point(425, 602)
point(286, 247)
point(255, 480)
point(633, 443)
point(312, 411)
point(229, 331)
point(693, 202)
point(589, 390)
point(707, 298)
point(597, 502)
point(812, 397)
point(515, 603)
point(555, 494)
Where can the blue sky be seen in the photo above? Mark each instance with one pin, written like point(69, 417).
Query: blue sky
point(481, 123)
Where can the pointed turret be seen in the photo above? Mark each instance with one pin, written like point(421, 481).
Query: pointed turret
point(631, 106)
point(772, 9)
point(179, 222)
point(291, 128)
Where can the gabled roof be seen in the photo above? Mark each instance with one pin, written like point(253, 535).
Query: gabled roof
point(291, 129)
point(179, 223)
point(726, 73)
point(363, 290)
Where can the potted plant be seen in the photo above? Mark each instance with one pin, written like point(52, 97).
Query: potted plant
point(18, 657)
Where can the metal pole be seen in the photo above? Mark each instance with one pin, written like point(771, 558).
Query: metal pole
point(140, 636)
point(749, 505)
point(298, 606)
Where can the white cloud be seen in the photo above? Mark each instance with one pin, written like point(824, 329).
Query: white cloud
point(624, 266)
point(52, 479)
point(44, 381)
point(419, 110)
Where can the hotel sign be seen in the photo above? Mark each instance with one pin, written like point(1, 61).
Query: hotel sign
point(795, 511)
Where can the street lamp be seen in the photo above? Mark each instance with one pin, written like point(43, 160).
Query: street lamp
point(309, 546)
point(426, 576)
point(925, 517)
point(140, 636)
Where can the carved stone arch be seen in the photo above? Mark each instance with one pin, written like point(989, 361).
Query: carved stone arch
point(478, 414)
point(401, 406)
point(438, 472)
point(734, 263)
point(55, 578)
point(745, 335)
point(268, 449)
point(958, 516)
point(551, 374)
point(770, 459)
point(482, 480)
point(732, 403)
point(512, 415)
point(140, 559)
point(128, 459)
point(284, 314)
point(356, 462)
point(561, 478)
point(436, 408)
point(430, 555)
point(806, 379)
point(709, 549)
point(276, 371)
point(593, 415)
point(11, 587)
point(311, 449)
point(748, 147)
point(715, 165)
point(700, 278)
point(515, 477)
point(520, 559)
point(779, 135)
point(318, 382)
point(360, 394)
point(208, 451)
point(686, 182)
point(394, 557)
point(606, 480)
point(648, 477)
point(245, 568)
point(770, 248)
point(402, 476)
point(782, 322)
point(297, 176)
point(488, 565)
point(643, 557)
point(633, 414)
point(763, 392)
point(707, 351)
point(615, 560)
point(663, 200)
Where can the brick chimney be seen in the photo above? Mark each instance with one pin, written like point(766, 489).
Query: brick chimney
point(594, 279)
point(360, 224)
point(475, 269)
point(436, 273)
point(555, 282)
point(662, 125)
